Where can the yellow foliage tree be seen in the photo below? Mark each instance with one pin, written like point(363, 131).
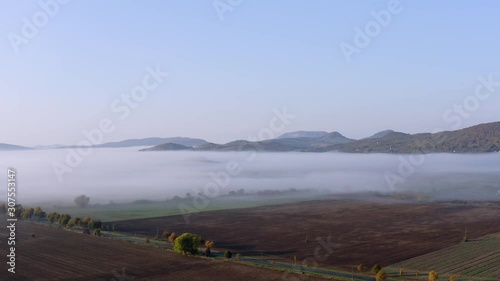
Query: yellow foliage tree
point(433, 276)
point(209, 244)
point(361, 268)
point(381, 275)
point(172, 237)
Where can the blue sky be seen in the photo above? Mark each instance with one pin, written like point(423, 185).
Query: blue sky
point(227, 76)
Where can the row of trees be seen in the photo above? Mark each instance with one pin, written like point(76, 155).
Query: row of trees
point(381, 275)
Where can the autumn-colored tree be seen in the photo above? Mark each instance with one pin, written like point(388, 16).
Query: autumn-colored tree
point(453, 278)
point(381, 275)
point(165, 234)
point(433, 276)
point(27, 213)
point(376, 268)
point(85, 221)
point(209, 244)
point(39, 213)
point(361, 268)
point(401, 272)
point(172, 237)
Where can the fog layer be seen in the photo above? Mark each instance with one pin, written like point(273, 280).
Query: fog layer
point(125, 174)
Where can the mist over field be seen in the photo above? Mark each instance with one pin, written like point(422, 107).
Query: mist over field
point(125, 175)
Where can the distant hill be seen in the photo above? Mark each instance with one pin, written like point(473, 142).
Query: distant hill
point(476, 139)
point(167, 146)
point(5, 146)
point(154, 141)
point(303, 134)
point(381, 134)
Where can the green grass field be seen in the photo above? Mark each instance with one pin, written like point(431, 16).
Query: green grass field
point(119, 212)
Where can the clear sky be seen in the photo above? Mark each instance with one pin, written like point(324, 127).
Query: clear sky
point(228, 75)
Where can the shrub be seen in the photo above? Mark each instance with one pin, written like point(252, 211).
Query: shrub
point(238, 256)
point(228, 254)
point(187, 243)
point(361, 268)
point(97, 232)
point(165, 234)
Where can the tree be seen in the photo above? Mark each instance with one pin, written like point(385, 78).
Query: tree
point(165, 234)
point(39, 213)
point(453, 278)
point(238, 256)
point(401, 272)
point(53, 217)
point(228, 254)
point(97, 232)
point(27, 213)
point(376, 268)
point(64, 219)
point(172, 237)
point(209, 244)
point(85, 221)
point(81, 201)
point(208, 252)
point(73, 221)
point(187, 243)
point(381, 275)
point(146, 241)
point(433, 276)
point(95, 224)
point(361, 268)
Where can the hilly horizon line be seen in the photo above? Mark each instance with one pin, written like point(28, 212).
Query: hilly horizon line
point(194, 142)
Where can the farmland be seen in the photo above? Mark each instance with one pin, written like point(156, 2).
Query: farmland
point(478, 258)
point(56, 254)
point(356, 232)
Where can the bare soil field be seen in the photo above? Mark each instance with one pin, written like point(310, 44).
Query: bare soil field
point(359, 232)
point(57, 254)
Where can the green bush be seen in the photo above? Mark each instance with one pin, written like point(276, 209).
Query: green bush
point(187, 243)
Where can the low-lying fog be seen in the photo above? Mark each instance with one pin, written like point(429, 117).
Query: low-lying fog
point(126, 174)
